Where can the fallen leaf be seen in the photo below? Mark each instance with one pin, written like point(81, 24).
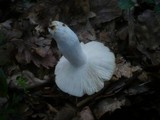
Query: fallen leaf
point(86, 114)
point(108, 105)
point(8, 32)
point(106, 10)
point(85, 32)
point(41, 13)
point(28, 78)
point(6, 24)
point(66, 113)
point(123, 33)
point(124, 68)
point(148, 34)
point(136, 89)
point(37, 50)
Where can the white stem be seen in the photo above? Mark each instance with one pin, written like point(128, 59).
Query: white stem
point(68, 44)
point(72, 52)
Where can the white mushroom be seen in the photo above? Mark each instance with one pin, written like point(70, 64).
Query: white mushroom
point(83, 68)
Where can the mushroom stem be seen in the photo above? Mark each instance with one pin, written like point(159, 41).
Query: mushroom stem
point(73, 52)
point(68, 44)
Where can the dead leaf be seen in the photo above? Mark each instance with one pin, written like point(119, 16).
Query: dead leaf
point(123, 33)
point(39, 29)
point(124, 68)
point(30, 80)
point(108, 105)
point(106, 10)
point(66, 113)
point(48, 61)
point(41, 13)
point(86, 114)
point(37, 50)
point(91, 15)
point(136, 89)
point(9, 32)
point(85, 32)
point(6, 24)
point(143, 76)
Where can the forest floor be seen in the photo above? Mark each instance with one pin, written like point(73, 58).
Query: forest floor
point(28, 56)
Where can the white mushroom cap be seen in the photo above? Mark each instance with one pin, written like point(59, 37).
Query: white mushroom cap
point(89, 77)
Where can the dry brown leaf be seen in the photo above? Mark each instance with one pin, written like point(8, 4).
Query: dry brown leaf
point(108, 105)
point(86, 114)
point(148, 35)
point(48, 61)
point(66, 113)
point(41, 13)
point(6, 24)
point(123, 33)
point(41, 51)
point(9, 32)
point(106, 10)
point(124, 68)
point(39, 29)
point(85, 32)
point(136, 89)
point(37, 50)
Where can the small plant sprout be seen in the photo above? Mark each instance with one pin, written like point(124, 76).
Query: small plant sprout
point(21, 82)
point(83, 68)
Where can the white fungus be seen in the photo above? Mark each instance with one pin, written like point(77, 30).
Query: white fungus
point(83, 68)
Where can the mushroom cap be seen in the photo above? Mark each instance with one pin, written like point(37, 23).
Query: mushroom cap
point(88, 78)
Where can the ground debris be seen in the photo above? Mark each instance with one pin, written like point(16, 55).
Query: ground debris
point(29, 55)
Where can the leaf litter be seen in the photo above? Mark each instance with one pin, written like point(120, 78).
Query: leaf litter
point(28, 57)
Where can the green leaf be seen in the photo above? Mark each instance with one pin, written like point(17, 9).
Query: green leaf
point(3, 84)
point(125, 4)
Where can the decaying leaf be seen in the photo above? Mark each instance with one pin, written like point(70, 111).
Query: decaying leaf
point(86, 114)
point(37, 50)
point(108, 105)
point(24, 79)
point(108, 36)
point(136, 89)
point(123, 33)
point(6, 24)
point(41, 13)
point(148, 35)
point(106, 10)
point(66, 113)
point(9, 32)
point(125, 68)
point(85, 32)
